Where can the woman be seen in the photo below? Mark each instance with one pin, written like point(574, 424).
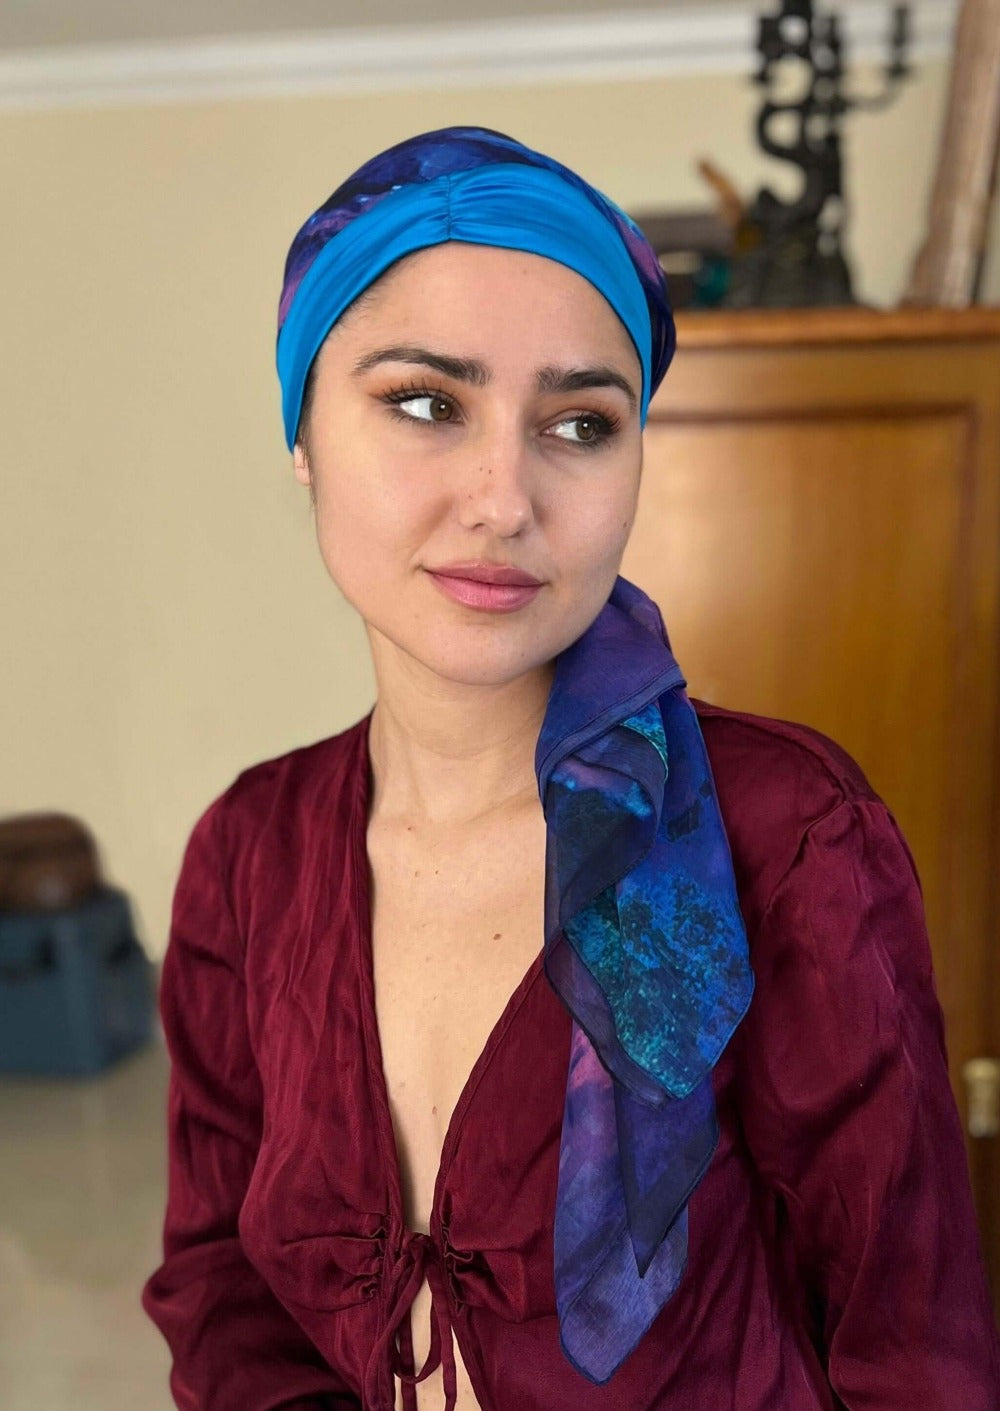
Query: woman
point(460, 1002)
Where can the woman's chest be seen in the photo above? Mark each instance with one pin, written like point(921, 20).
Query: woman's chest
point(453, 934)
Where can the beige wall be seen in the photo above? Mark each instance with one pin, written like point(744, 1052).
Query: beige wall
point(166, 620)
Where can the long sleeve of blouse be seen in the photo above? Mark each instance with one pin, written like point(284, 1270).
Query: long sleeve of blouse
point(849, 1117)
point(234, 1346)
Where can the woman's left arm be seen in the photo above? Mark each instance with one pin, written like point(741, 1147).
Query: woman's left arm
point(849, 1116)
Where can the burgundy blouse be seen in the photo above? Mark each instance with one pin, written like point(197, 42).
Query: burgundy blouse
point(833, 1256)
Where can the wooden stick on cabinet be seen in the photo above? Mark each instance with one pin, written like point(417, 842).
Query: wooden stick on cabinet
point(947, 268)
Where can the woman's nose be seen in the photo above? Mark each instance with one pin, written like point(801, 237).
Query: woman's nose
point(493, 486)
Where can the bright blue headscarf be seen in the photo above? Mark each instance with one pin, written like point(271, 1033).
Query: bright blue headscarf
point(644, 941)
point(477, 186)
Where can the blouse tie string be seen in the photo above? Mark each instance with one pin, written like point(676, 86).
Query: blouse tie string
point(419, 1258)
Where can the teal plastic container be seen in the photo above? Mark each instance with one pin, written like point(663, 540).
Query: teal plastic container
point(77, 990)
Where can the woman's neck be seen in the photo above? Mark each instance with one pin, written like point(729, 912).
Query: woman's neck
point(444, 751)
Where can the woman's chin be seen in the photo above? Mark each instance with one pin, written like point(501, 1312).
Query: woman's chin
point(479, 664)
point(466, 648)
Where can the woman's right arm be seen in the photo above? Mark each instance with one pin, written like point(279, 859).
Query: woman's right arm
point(235, 1347)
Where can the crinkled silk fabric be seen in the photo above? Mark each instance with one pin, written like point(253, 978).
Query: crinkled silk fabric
point(832, 1249)
point(645, 945)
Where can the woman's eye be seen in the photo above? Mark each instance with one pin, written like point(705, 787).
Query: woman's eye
point(436, 406)
point(592, 429)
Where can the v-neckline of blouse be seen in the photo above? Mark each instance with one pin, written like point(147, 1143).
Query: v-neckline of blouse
point(370, 1027)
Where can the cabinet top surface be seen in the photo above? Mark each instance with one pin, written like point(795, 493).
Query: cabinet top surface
point(734, 328)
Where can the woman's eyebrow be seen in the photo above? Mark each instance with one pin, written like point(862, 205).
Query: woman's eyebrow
point(471, 370)
point(564, 379)
point(462, 369)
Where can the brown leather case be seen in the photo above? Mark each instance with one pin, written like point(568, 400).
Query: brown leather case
point(48, 861)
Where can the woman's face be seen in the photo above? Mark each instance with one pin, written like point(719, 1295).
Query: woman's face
point(478, 412)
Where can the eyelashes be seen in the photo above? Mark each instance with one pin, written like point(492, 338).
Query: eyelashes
point(606, 424)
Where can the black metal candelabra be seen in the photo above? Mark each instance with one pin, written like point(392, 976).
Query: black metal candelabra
point(790, 253)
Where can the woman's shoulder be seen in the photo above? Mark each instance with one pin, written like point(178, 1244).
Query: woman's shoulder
point(262, 839)
point(288, 793)
point(784, 753)
point(775, 779)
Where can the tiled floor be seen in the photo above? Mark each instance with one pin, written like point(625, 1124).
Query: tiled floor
point(82, 1187)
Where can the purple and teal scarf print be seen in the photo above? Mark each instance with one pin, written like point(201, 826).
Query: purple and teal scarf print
point(646, 947)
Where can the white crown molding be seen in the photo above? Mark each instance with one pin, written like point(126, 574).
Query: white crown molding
point(628, 44)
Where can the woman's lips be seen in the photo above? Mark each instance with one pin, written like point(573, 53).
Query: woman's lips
point(489, 588)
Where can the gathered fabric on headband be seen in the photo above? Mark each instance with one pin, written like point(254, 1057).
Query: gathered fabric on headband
point(475, 186)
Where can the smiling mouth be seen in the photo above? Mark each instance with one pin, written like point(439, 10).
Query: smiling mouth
point(486, 587)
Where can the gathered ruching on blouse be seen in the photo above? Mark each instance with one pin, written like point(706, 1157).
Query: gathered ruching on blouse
point(323, 1272)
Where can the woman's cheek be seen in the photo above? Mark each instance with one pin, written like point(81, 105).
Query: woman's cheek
point(603, 538)
point(347, 542)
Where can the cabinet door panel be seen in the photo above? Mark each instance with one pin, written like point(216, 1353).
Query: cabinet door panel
point(820, 527)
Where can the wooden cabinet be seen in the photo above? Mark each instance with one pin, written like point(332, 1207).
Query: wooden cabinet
point(820, 522)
